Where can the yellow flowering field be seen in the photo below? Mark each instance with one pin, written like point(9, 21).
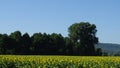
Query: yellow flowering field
point(35, 61)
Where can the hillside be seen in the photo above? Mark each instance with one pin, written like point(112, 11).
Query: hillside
point(110, 48)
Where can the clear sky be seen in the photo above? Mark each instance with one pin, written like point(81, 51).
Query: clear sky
point(57, 15)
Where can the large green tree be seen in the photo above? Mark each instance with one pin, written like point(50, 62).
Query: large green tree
point(84, 35)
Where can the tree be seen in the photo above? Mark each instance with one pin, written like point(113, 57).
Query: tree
point(37, 43)
point(68, 49)
point(26, 43)
point(84, 35)
point(6, 44)
point(17, 36)
point(98, 52)
point(45, 44)
point(57, 43)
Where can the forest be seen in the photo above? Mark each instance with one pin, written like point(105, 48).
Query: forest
point(80, 41)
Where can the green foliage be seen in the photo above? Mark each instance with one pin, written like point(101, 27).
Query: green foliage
point(98, 51)
point(81, 41)
point(84, 35)
point(6, 44)
point(16, 35)
point(26, 44)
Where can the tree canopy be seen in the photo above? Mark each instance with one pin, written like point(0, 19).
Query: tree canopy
point(84, 34)
point(81, 40)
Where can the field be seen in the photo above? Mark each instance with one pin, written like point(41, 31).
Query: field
point(18, 61)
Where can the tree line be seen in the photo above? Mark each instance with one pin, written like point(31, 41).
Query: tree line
point(80, 41)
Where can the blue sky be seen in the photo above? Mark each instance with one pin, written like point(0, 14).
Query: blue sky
point(57, 15)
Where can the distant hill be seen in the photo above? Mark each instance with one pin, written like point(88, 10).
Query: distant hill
point(110, 48)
